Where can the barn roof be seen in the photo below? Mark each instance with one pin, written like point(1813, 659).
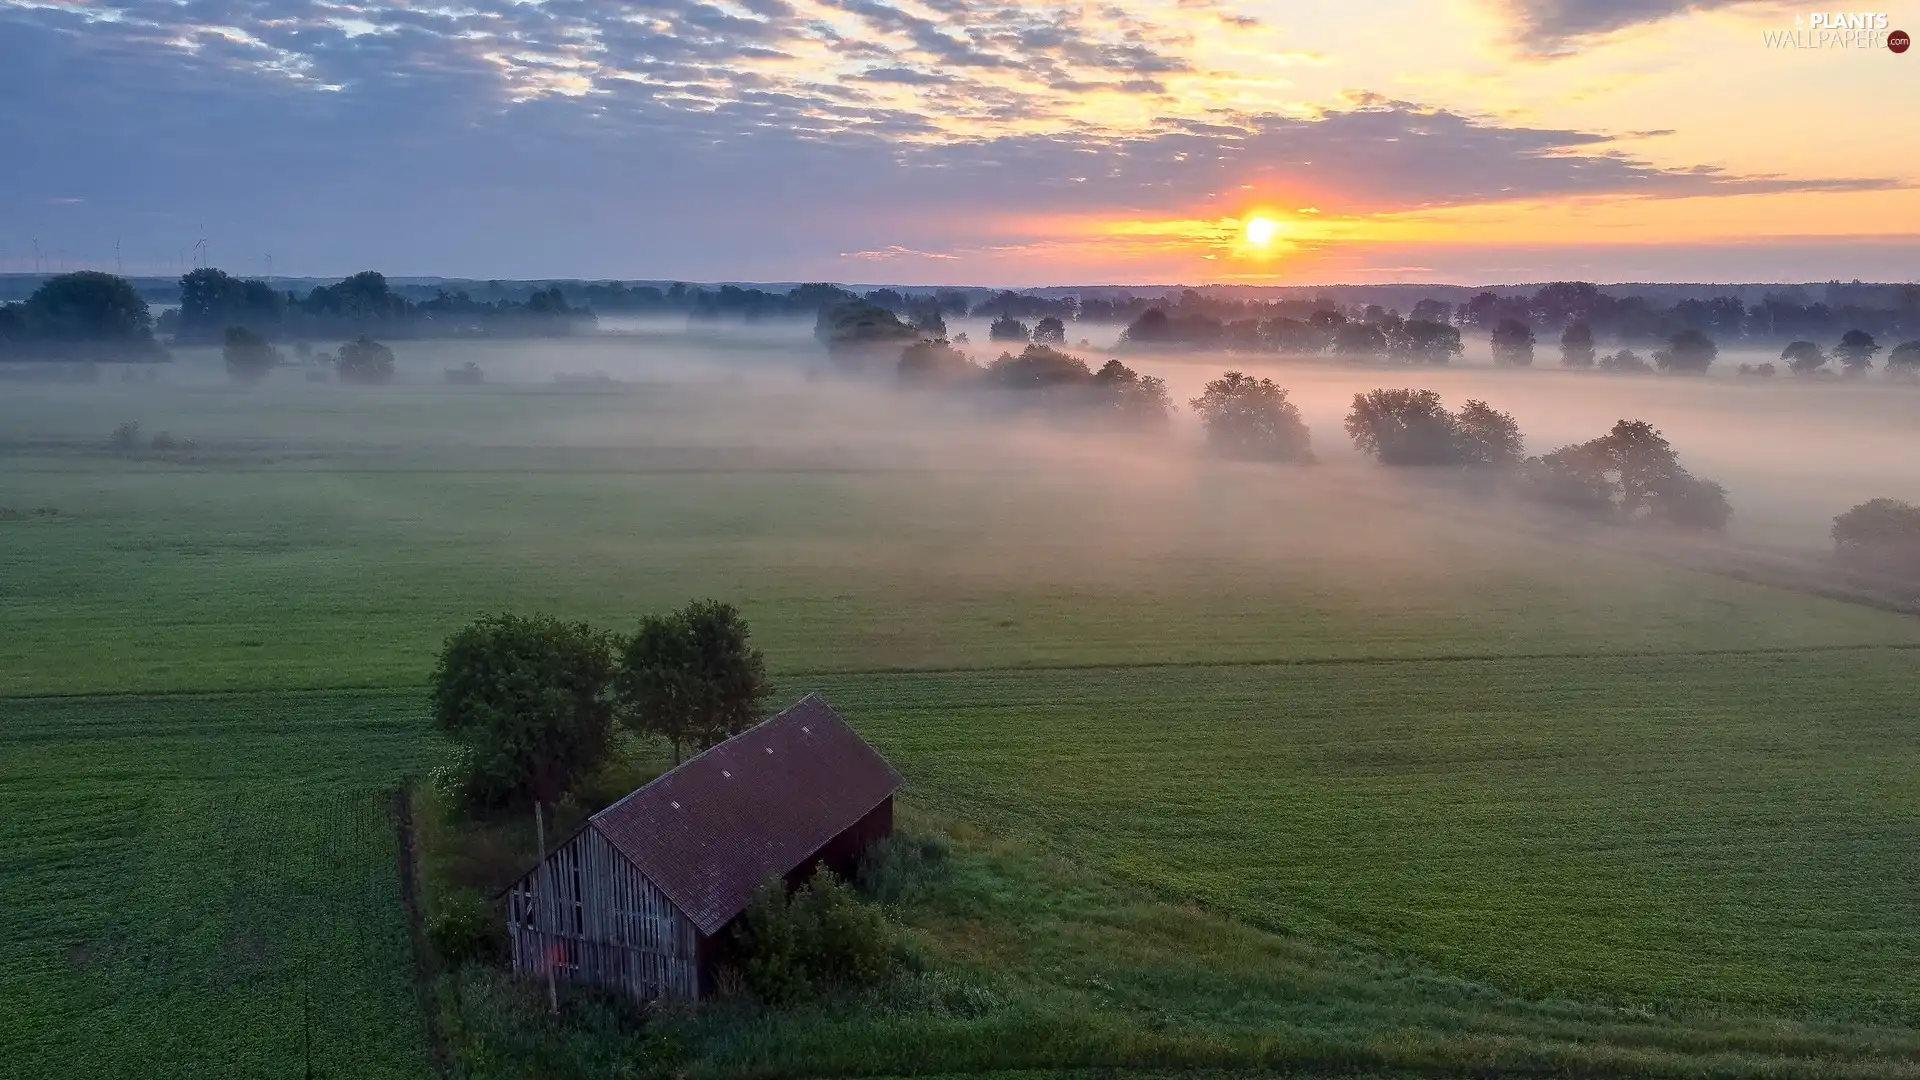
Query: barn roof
point(713, 828)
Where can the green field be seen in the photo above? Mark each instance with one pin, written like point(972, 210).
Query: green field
point(1285, 760)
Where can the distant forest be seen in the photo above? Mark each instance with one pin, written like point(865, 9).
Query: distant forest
point(91, 315)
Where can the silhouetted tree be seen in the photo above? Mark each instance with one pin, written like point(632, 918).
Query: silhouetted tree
point(1007, 328)
point(248, 355)
point(86, 315)
point(1904, 361)
point(1688, 352)
point(1512, 343)
point(936, 362)
point(1133, 399)
point(1487, 438)
point(1803, 357)
point(1576, 345)
point(1625, 362)
point(1050, 331)
point(1359, 340)
point(364, 360)
point(1879, 534)
point(1251, 418)
point(1856, 351)
point(1038, 367)
point(1421, 341)
point(1402, 427)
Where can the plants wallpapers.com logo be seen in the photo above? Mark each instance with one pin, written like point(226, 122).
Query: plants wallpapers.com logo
point(1865, 30)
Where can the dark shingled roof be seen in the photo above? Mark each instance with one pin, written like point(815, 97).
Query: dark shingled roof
point(712, 829)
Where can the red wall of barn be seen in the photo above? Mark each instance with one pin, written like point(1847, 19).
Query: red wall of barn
point(840, 854)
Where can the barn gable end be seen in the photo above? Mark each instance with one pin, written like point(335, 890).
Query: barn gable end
point(595, 918)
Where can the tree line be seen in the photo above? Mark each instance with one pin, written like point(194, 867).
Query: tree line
point(1384, 335)
point(213, 301)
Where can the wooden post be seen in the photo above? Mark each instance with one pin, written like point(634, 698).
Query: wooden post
point(545, 877)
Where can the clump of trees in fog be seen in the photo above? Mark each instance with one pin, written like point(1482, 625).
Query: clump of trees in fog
point(1044, 377)
point(1251, 419)
point(1412, 427)
point(1631, 473)
point(859, 335)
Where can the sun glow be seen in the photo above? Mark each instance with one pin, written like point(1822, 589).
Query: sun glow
point(1260, 231)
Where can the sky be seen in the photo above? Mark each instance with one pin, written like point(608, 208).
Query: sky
point(961, 141)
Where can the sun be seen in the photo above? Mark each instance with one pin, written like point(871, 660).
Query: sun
point(1260, 231)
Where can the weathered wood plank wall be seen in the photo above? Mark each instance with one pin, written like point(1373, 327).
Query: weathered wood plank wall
point(588, 912)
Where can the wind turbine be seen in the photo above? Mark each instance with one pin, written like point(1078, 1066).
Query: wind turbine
point(36, 256)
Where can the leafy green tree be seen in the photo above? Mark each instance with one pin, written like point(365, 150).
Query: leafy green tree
point(1576, 345)
point(1803, 357)
point(1252, 419)
point(1688, 352)
point(248, 356)
point(1512, 343)
point(364, 360)
point(691, 676)
point(528, 699)
point(1855, 352)
point(1050, 331)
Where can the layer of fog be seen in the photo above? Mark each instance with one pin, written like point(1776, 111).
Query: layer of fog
point(1793, 453)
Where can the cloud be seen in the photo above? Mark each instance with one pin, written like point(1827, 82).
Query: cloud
point(1557, 27)
point(682, 137)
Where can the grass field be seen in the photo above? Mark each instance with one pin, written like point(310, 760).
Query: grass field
point(1272, 764)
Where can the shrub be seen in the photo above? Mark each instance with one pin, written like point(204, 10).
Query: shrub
point(465, 929)
point(819, 940)
point(1625, 362)
point(125, 437)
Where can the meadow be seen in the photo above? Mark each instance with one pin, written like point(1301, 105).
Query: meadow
point(1282, 767)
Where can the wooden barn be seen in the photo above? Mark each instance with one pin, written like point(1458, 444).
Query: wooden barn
point(639, 898)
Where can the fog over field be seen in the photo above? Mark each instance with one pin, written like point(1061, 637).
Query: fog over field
point(1793, 453)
